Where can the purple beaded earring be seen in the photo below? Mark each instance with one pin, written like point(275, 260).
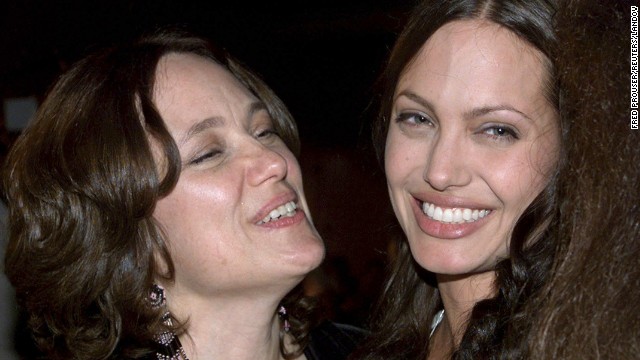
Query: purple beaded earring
point(284, 317)
point(170, 347)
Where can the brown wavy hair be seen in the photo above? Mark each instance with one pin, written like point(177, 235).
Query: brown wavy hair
point(81, 185)
point(402, 319)
point(590, 304)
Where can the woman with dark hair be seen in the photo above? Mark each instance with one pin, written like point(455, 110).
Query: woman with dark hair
point(470, 134)
point(157, 211)
point(588, 308)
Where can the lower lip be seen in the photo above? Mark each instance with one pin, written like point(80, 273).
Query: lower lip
point(286, 221)
point(442, 230)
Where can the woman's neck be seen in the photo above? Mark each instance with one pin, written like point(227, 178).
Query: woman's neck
point(459, 295)
point(237, 327)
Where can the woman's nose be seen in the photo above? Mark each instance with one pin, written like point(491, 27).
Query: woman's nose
point(265, 164)
point(447, 164)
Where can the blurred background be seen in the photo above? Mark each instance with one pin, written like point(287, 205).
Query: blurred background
point(322, 59)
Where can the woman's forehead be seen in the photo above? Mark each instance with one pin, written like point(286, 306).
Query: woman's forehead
point(192, 88)
point(482, 62)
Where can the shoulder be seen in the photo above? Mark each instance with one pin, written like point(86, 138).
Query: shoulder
point(333, 341)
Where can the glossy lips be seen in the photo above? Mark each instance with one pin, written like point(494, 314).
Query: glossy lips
point(448, 222)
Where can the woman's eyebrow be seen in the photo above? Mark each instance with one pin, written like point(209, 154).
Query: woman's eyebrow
point(468, 115)
point(255, 107)
point(217, 121)
point(484, 110)
point(200, 126)
point(417, 98)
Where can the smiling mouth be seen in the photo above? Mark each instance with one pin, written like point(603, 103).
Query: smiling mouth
point(453, 215)
point(286, 210)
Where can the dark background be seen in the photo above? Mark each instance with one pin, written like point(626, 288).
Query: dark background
point(322, 59)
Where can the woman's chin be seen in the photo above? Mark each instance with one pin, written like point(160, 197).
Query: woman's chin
point(306, 258)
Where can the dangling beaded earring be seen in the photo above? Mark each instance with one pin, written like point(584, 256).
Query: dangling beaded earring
point(156, 297)
point(171, 349)
point(284, 317)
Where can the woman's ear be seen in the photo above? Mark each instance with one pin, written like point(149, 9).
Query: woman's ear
point(162, 270)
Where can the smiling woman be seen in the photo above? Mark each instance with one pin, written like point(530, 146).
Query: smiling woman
point(470, 134)
point(157, 211)
point(470, 145)
point(236, 171)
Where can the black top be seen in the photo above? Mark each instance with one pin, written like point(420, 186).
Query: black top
point(331, 341)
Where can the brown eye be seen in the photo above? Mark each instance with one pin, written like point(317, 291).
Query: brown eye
point(500, 132)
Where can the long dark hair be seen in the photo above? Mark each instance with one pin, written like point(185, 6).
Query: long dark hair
point(81, 185)
point(402, 320)
point(590, 305)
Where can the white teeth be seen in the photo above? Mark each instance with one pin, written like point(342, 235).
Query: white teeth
point(457, 216)
point(290, 206)
point(447, 215)
point(466, 214)
point(437, 214)
point(453, 215)
point(431, 209)
point(288, 210)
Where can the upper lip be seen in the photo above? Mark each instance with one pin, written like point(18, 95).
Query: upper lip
point(274, 203)
point(448, 201)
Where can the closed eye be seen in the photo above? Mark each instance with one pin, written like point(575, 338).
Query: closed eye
point(266, 133)
point(206, 156)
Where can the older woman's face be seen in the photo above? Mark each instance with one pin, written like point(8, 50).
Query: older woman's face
point(237, 218)
point(471, 143)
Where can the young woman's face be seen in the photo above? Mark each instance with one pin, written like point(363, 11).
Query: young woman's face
point(471, 142)
point(237, 219)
